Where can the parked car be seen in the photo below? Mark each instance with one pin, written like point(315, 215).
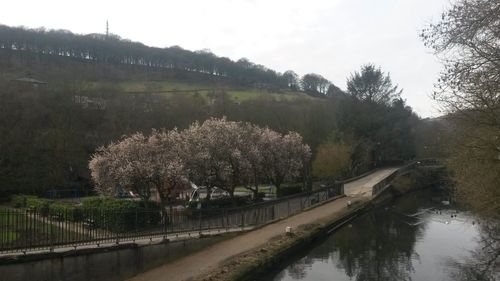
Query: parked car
point(200, 192)
point(124, 194)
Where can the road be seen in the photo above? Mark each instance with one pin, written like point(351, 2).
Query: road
point(210, 258)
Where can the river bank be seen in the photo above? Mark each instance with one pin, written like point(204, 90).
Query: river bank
point(415, 237)
point(254, 264)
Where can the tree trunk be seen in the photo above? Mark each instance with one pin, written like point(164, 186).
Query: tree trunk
point(278, 185)
point(255, 193)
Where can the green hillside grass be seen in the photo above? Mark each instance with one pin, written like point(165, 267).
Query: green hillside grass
point(170, 87)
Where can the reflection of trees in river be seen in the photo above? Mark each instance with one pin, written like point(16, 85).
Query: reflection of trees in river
point(484, 262)
point(298, 270)
point(378, 246)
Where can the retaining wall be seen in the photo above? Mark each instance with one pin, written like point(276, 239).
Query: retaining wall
point(115, 264)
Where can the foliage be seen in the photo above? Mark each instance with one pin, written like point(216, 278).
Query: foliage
point(220, 203)
point(64, 211)
point(47, 207)
point(467, 39)
point(475, 169)
point(292, 79)
point(216, 152)
point(20, 200)
point(287, 190)
point(378, 133)
point(372, 85)
point(120, 215)
point(140, 163)
point(39, 204)
point(113, 49)
point(87, 105)
point(315, 83)
point(332, 160)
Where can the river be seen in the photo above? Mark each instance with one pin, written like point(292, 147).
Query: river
point(416, 238)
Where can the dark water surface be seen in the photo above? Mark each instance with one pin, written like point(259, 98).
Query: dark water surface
point(415, 238)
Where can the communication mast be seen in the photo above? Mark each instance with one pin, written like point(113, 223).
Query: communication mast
point(107, 29)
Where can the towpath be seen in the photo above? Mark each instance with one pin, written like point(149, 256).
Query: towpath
point(210, 258)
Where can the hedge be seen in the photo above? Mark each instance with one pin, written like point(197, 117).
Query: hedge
point(19, 201)
point(65, 211)
point(286, 190)
point(226, 202)
point(120, 215)
point(108, 213)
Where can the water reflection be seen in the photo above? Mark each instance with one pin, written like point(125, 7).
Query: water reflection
point(483, 263)
point(410, 240)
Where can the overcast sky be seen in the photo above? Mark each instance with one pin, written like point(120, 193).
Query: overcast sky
point(329, 37)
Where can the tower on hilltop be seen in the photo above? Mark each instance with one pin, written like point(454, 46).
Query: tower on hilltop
point(107, 29)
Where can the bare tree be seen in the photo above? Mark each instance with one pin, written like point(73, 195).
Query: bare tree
point(467, 39)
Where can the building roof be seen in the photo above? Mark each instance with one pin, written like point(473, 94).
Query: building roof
point(29, 80)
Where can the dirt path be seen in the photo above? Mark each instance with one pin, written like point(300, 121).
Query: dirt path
point(209, 259)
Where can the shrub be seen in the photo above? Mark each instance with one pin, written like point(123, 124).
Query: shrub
point(286, 190)
point(120, 215)
point(260, 197)
point(65, 211)
point(20, 200)
point(226, 202)
point(39, 204)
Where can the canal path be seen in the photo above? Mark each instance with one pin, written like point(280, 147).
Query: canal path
point(197, 264)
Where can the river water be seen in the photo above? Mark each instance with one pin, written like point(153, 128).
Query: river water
point(415, 238)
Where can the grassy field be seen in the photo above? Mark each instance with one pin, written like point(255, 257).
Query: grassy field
point(245, 95)
point(169, 87)
point(151, 86)
point(18, 229)
point(262, 188)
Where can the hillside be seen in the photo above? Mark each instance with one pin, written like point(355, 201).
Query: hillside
point(65, 95)
point(111, 49)
point(50, 129)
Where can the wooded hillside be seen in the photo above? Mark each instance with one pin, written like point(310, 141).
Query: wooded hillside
point(64, 95)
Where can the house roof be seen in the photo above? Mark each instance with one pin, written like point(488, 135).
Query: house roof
point(29, 80)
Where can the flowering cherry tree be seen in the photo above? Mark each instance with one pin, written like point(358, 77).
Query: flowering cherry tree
point(216, 152)
point(283, 156)
point(213, 154)
point(140, 164)
point(168, 174)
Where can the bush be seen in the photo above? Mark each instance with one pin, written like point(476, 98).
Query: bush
point(65, 211)
point(287, 190)
point(120, 215)
point(39, 204)
point(260, 197)
point(20, 200)
point(226, 202)
point(44, 206)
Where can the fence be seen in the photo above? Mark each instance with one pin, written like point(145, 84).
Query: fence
point(23, 230)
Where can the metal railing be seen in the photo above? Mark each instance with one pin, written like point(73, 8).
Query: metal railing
point(23, 230)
